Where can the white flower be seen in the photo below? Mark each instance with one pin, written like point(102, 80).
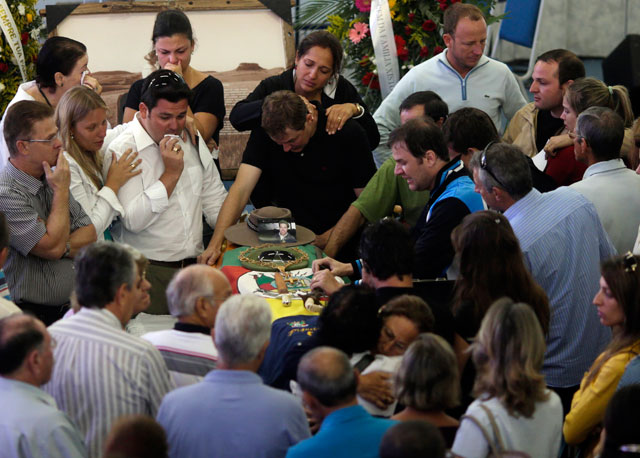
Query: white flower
point(1, 87)
point(21, 9)
point(35, 34)
point(14, 61)
point(375, 71)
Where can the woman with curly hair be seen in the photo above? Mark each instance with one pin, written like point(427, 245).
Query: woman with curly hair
point(491, 266)
point(618, 304)
point(513, 405)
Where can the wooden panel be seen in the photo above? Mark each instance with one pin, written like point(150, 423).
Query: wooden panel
point(155, 6)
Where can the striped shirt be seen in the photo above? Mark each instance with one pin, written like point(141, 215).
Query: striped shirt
point(563, 243)
point(188, 351)
point(102, 373)
point(26, 202)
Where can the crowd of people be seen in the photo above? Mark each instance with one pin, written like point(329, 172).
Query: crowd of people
point(497, 311)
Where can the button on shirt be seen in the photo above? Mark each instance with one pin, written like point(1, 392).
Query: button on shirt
point(32, 426)
point(102, 373)
point(166, 228)
point(563, 243)
point(26, 203)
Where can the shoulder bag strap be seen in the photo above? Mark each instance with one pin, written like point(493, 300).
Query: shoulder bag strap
point(494, 427)
point(485, 433)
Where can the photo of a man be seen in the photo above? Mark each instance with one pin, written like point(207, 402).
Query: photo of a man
point(283, 233)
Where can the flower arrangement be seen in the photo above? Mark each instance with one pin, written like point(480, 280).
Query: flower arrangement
point(417, 26)
point(31, 29)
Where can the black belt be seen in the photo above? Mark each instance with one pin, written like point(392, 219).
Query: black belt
point(174, 264)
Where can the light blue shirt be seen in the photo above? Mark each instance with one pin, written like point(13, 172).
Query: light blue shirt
point(615, 192)
point(489, 86)
point(231, 414)
point(32, 426)
point(563, 243)
point(631, 374)
point(346, 433)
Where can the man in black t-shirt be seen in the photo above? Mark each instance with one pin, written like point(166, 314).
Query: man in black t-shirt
point(312, 173)
point(539, 120)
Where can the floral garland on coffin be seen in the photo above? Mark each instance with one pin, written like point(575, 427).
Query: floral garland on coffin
point(31, 29)
point(417, 27)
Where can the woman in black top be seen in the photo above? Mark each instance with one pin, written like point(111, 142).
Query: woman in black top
point(172, 48)
point(315, 76)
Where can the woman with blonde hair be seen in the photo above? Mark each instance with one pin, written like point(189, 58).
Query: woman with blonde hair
point(618, 304)
point(81, 117)
point(513, 405)
point(427, 384)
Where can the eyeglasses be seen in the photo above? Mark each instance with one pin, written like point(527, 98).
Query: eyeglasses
point(165, 79)
point(485, 167)
point(630, 262)
point(55, 137)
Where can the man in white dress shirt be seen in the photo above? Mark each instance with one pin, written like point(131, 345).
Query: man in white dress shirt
point(163, 206)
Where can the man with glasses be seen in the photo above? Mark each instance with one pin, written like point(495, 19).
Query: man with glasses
point(46, 224)
point(103, 373)
point(194, 297)
point(563, 243)
point(164, 205)
point(31, 424)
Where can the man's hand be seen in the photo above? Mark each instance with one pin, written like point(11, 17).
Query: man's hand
point(322, 239)
point(59, 178)
point(337, 268)
point(326, 281)
point(209, 256)
point(172, 155)
point(375, 387)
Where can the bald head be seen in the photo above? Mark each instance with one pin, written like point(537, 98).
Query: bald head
point(326, 374)
point(20, 336)
point(194, 286)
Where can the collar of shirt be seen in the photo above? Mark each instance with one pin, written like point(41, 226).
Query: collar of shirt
point(188, 327)
point(442, 57)
point(32, 184)
point(344, 415)
point(103, 315)
point(25, 389)
point(140, 135)
point(532, 196)
point(603, 167)
point(233, 377)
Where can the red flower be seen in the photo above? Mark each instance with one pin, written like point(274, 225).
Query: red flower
point(407, 30)
point(454, 1)
point(443, 6)
point(400, 43)
point(402, 51)
point(437, 50)
point(424, 51)
point(410, 17)
point(370, 80)
point(4, 68)
point(428, 25)
point(24, 38)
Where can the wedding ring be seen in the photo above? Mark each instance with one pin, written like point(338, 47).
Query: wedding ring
point(339, 118)
point(176, 149)
point(133, 165)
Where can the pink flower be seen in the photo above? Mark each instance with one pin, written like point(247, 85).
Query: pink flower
point(363, 5)
point(359, 31)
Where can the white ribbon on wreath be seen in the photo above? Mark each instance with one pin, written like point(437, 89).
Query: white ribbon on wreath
point(12, 35)
point(384, 46)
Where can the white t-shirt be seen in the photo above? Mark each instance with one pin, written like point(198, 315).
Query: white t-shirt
point(539, 436)
point(21, 94)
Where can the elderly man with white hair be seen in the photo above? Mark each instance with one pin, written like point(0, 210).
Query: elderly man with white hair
point(194, 296)
point(231, 412)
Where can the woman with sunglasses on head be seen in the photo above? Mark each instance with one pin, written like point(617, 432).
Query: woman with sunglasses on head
point(173, 45)
point(62, 64)
point(618, 305)
point(81, 118)
point(512, 405)
point(316, 77)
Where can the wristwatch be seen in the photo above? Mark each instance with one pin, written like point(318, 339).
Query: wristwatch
point(67, 250)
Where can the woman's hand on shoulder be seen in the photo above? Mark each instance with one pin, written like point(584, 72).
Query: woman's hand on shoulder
point(123, 169)
point(338, 115)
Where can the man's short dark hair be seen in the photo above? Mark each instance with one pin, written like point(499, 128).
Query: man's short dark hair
point(19, 335)
point(282, 110)
point(420, 135)
point(101, 268)
point(350, 320)
point(603, 130)
point(469, 128)
point(20, 119)
point(432, 103)
point(326, 373)
point(570, 67)
point(509, 165)
point(457, 11)
point(413, 439)
point(386, 249)
point(164, 84)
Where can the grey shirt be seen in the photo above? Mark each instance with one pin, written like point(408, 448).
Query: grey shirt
point(26, 202)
